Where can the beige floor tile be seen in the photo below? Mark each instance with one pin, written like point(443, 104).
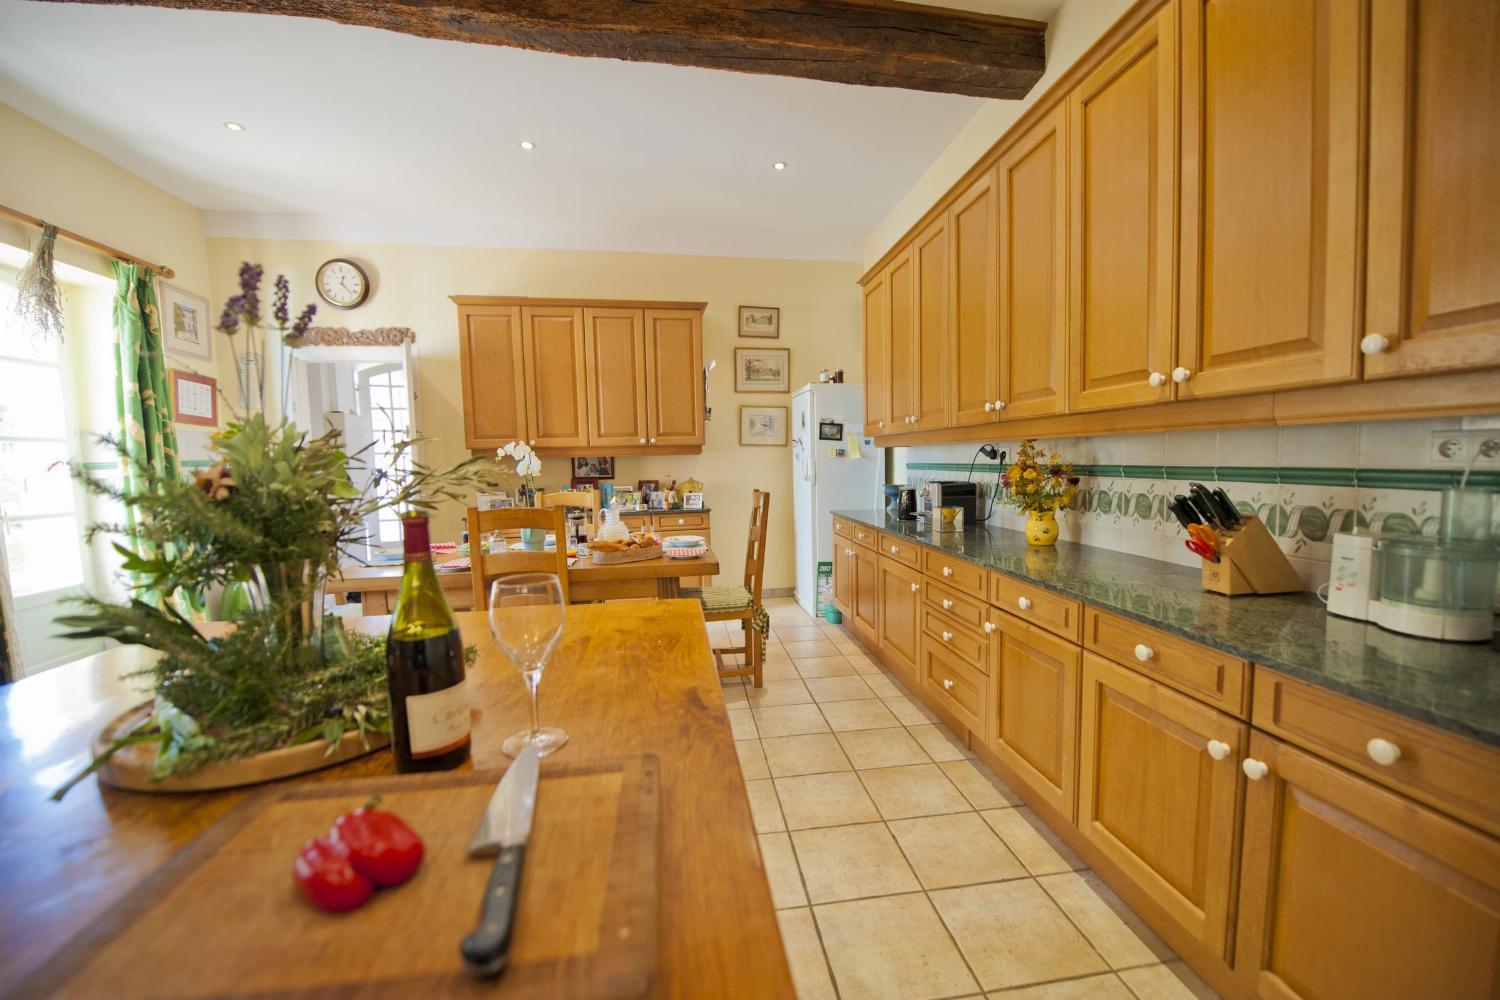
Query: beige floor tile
point(789, 720)
point(778, 692)
point(734, 694)
point(981, 786)
point(912, 790)
point(808, 650)
point(782, 871)
point(957, 849)
point(765, 810)
point(804, 953)
point(1172, 981)
point(783, 670)
point(742, 724)
point(831, 631)
point(882, 748)
point(851, 688)
point(1115, 932)
point(1013, 934)
point(871, 713)
point(1105, 987)
point(814, 753)
point(851, 862)
point(797, 633)
point(907, 711)
point(1040, 850)
point(863, 665)
point(883, 686)
point(825, 666)
point(752, 759)
point(891, 947)
point(824, 800)
point(939, 743)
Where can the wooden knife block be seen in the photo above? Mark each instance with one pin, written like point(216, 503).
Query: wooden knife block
point(1250, 562)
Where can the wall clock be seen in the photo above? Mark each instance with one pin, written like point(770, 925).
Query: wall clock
point(342, 283)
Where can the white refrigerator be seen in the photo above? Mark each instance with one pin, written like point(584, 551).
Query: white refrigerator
point(828, 474)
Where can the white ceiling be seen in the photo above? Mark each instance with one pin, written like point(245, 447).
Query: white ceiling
point(360, 134)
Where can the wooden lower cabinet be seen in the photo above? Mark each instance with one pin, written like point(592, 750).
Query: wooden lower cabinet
point(1153, 799)
point(843, 575)
point(954, 683)
point(864, 610)
point(1350, 890)
point(900, 607)
point(1033, 705)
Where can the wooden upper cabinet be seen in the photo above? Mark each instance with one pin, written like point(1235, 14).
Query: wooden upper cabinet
point(901, 282)
point(615, 363)
point(1270, 194)
point(877, 319)
point(674, 382)
point(1122, 117)
point(1433, 285)
point(1349, 890)
point(974, 344)
point(489, 341)
point(1034, 705)
point(1033, 194)
point(930, 359)
point(552, 339)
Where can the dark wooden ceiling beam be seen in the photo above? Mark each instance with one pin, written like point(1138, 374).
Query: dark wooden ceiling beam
point(878, 43)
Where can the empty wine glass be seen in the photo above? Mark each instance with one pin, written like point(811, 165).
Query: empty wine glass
point(526, 618)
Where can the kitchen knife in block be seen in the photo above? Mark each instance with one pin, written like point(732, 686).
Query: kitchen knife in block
point(1250, 562)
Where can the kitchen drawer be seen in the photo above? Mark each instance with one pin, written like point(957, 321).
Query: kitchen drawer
point(971, 646)
point(966, 578)
point(1457, 776)
point(901, 550)
point(681, 519)
point(969, 611)
point(1053, 612)
point(954, 685)
point(841, 528)
point(1215, 678)
point(866, 536)
point(637, 521)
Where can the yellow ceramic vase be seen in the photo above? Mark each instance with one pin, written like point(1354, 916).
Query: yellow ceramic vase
point(1041, 527)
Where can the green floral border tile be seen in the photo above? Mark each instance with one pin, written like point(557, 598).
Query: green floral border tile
point(1400, 479)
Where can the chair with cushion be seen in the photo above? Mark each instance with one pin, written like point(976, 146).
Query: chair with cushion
point(742, 604)
point(510, 520)
point(581, 499)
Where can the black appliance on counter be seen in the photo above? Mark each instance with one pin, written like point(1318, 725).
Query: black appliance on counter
point(955, 493)
point(901, 501)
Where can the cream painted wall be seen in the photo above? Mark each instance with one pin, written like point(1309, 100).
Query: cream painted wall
point(819, 322)
point(1075, 27)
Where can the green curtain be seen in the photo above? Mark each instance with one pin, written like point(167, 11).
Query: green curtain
point(142, 398)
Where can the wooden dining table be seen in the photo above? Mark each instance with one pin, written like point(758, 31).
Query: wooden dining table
point(627, 678)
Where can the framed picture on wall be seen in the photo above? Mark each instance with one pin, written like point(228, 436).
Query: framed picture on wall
point(762, 369)
point(593, 468)
point(763, 425)
point(195, 398)
point(186, 329)
point(760, 321)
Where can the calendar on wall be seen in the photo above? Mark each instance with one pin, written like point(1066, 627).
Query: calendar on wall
point(195, 398)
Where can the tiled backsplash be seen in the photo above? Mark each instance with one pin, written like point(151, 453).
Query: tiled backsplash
point(1305, 483)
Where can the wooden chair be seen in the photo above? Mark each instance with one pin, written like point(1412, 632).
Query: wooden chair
point(742, 604)
point(484, 568)
point(583, 499)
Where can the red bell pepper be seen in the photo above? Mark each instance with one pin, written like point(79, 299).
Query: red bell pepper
point(326, 877)
point(381, 847)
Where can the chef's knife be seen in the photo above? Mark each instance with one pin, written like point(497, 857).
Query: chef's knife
point(1228, 511)
point(502, 833)
point(1182, 508)
point(1204, 501)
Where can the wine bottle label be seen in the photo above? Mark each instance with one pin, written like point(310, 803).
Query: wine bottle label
point(437, 722)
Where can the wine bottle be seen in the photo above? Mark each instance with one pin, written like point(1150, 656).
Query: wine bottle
point(424, 662)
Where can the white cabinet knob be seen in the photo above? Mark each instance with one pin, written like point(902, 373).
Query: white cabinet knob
point(895, 549)
point(989, 407)
point(1181, 375)
point(947, 604)
point(653, 440)
point(947, 684)
point(533, 441)
point(1023, 603)
point(916, 587)
point(880, 423)
point(1383, 752)
point(999, 405)
point(1254, 769)
point(682, 520)
point(1218, 749)
point(989, 628)
point(1143, 652)
point(947, 570)
point(1375, 343)
point(643, 440)
point(1157, 379)
point(947, 636)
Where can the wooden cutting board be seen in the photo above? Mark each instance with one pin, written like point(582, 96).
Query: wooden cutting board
point(223, 918)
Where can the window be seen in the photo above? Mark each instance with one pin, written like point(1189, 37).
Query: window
point(382, 394)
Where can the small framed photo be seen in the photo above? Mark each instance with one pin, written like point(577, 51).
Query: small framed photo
point(656, 500)
point(593, 468)
point(830, 430)
point(763, 425)
point(585, 483)
point(762, 369)
point(692, 501)
point(760, 321)
point(195, 398)
point(647, 485)
point(492, 501)
point(186, 329)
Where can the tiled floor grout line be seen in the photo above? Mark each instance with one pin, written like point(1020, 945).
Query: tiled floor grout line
point(812, 915)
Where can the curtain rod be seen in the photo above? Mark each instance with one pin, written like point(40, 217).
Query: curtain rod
point(84, 241)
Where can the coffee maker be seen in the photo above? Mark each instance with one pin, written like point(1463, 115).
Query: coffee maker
point(901, 502)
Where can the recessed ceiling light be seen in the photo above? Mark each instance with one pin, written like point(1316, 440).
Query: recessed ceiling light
point(527, 144)
point(779, 165)
point(234, 126)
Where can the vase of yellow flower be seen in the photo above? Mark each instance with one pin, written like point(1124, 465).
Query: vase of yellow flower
point(1040, 484)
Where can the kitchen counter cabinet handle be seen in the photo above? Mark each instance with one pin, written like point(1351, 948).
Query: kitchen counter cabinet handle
point(916, 587)
point(947, 604)
point(989, 628)
point(989, 407)
point(947, 684)
point(1218, 749)
point(999, 405)
point(1383, 752)
point(1157, 380)
point(1375, 343)
point(1180, 375)
point(1143, 652)
point(1024, 603)
point(947, 636)
point(947, 570)
point(895, 549)
point(1254, 769)
point(643, 440)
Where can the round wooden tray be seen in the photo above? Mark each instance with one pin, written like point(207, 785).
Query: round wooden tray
point(130, 767)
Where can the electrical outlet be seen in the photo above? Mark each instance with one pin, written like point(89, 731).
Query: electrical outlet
point(1455, 449)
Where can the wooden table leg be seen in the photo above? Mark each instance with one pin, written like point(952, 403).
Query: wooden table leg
point(669, 588)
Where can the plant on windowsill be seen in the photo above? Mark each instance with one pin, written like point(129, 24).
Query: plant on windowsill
point(1041, 485)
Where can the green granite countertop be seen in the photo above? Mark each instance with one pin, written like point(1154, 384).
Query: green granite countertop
point(1452, 685)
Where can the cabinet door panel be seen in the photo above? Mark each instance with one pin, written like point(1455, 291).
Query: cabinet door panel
point(615, 358)
point(843, 575)
point(900, 603)
point(930, 260)
point(1034, 702)
point(555, 382)
point(877, 388)
point(1353, 891)
point(974, 347)
point(903, 351)
point(1153, 800)
point(493, 381)
point(1270, 194)
point(1123, 170)
point(674, 383)
point(1433, 286)
point(866, 576)
point(1033, 186)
